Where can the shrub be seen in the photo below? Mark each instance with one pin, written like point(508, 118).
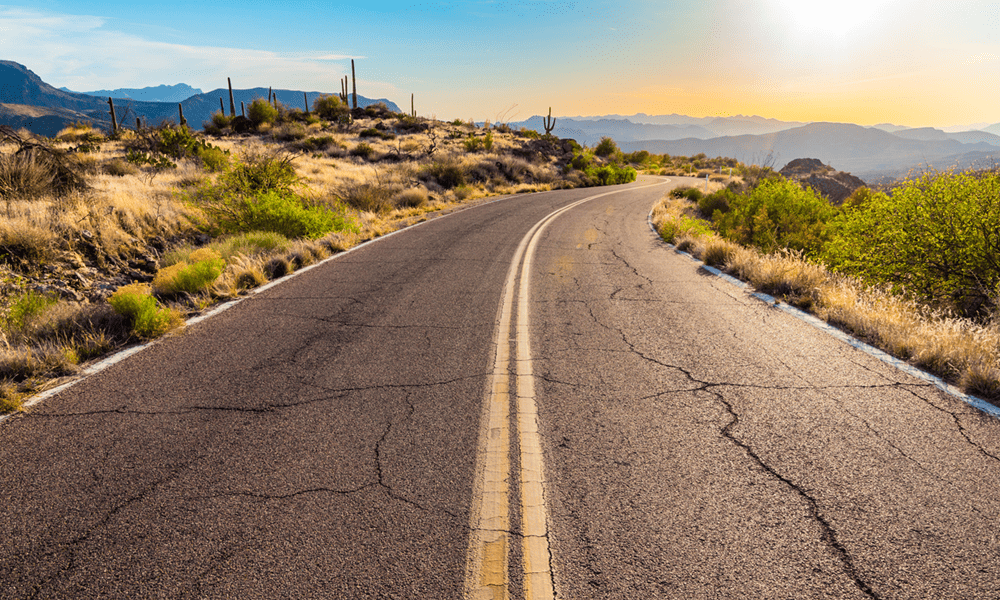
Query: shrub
point(26, 307)
point(205, 267)
point(936, 237)
point(777, 214)
point(262, 171)
point(250, 243)
point(447, 175)
point(371, 132)
point(261, 111)
point(147, 319)
point(606, 147)
point(473, 143)
point(613, 174)
point(716, 201)
point(331, 109)
point(531, 134)
point(289, 132)
point(411, 198)
point(119, 168)
point(363, 150)
point(639, 157)
point(368, 196)
point(672, 229)
point(488, 141)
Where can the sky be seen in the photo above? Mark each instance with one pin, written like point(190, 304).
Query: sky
point(919, 63)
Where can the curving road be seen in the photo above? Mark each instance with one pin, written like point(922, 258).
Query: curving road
point(529, 398)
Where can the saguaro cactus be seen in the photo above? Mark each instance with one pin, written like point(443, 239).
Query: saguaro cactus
point(413, 111)
point(180, 109)
point(114, 119)
point(549, 123)
point(305, 100)
point(232, 105)
point(343, 90)
point(222, 107)
point(243, 109)
point(354, 85)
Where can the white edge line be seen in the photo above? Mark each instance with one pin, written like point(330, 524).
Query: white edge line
point(123, 354)
point(818, 323)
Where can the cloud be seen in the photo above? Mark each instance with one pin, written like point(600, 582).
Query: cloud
point(80, 52)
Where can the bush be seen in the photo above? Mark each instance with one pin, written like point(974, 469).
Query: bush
point(331, 109)
point(613, 174)
point(639, 157)
point(26, 307)
point(716, 201)
point(447, 175)
point(473, 144)
point(147, 319)
point(119, 168)
point(411, 198)
point(206, 266)
point(670, 230)
point(371, 132)
point(368, 196)
point(777, 214)
point(606, 147)
point(261, 111)
point(936, 237)
point(250, 243)
point(363, 150)
point(531, 134)
point(262, 171)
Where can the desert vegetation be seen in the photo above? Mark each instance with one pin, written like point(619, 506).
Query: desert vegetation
point(111, 238)
point(913, 269)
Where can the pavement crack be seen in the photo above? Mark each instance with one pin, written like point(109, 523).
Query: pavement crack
point(958, 424)
point(829, 534)
point(70, 548)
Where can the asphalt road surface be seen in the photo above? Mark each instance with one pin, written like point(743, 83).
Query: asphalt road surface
point(531, 398)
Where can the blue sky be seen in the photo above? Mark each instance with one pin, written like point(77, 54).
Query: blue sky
point(912, 62)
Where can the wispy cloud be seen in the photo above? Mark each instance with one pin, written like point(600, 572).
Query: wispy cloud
point(83, 53)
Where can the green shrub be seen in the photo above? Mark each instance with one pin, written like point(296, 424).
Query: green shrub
point(936, 237)
point(205, 267)
point(331, 109)
point(26, 307)
point(147, 319)
point(286, 214)
point(531, 134)
point(639, 157)
point(250, 243)
point(261, 111)
point(612, 174)
point(368, 196)
point(473, 143)
point(716, 201)
point(261, 171)
point(488, 141)
point(777, 214)
point(582, 161)
point(606, 147)
point(685, 191)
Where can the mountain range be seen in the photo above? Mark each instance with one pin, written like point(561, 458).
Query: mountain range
point(159, 93)
point(27, 101)
point(872, 153)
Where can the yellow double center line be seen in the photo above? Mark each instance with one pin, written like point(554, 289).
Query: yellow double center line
point(487, 567)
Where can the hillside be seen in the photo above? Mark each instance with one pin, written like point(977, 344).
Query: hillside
point(19, 86)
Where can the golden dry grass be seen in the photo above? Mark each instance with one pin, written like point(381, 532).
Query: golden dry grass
point(959, 350)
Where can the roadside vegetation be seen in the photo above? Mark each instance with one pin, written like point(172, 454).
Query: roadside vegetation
point(913, 270)
point(107, 240)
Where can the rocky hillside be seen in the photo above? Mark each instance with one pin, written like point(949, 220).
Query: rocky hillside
point(835, 185)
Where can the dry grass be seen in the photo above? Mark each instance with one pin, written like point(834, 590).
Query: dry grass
point(959, 350)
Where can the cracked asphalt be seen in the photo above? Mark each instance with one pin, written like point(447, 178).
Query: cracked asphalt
point(318, 440)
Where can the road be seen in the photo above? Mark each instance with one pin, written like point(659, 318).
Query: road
point(534, 398)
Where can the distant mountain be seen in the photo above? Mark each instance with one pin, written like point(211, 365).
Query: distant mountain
point(994, 128)
point(699, 127)
point(590, 132)
point(160, 93)
point(23, 95)
point(866, 152)
point(890, 127)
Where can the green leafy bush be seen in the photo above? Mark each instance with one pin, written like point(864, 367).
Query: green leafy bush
point(716, 201)
point(671, 229)
point(447, 175)
point(606, 147)
point(531, 134)
point(363, 150)
point(473, 143)
point(25, 307)
point(936, 237)
point(331, 109)
point(777, 214)
point(371, 132)
point(261, 111)
point(147, 319)
point(612, 174)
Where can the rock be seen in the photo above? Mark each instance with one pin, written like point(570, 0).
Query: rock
point(836, 185)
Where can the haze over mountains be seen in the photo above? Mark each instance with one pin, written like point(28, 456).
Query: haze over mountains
point(872, 153)
point(160, 93)
point(27, 101)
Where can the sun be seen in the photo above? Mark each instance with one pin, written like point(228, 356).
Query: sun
point(832, 19)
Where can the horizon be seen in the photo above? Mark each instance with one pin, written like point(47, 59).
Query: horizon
point(911, 63)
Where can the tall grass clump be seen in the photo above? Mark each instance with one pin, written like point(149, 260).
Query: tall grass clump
point(260, 194)
point(146, 318)
point(195, 275)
